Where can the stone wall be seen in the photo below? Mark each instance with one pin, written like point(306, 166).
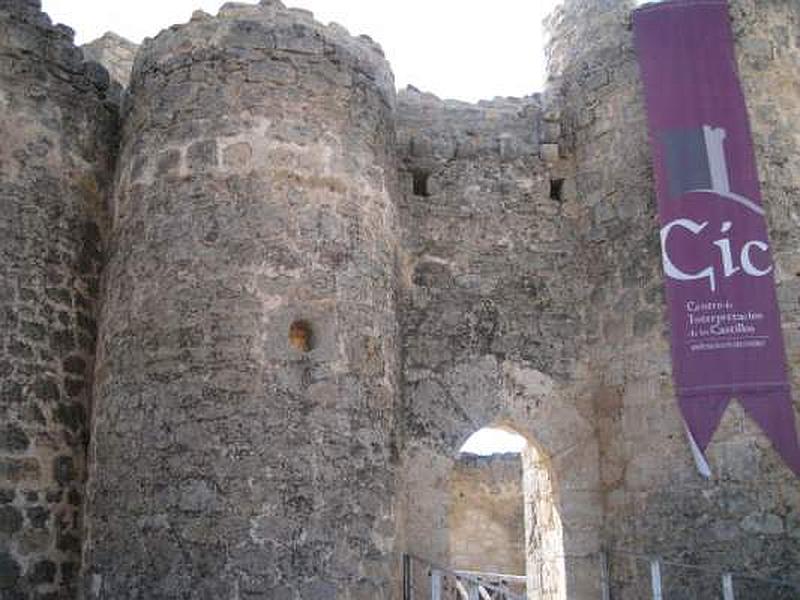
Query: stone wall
point(490, 301)
point(609, 368)
point(56, 163)
point(314, 293)
point(245, 395)
point(743, 519)
point(115, 53)
point(545, 553)
point(486, 519)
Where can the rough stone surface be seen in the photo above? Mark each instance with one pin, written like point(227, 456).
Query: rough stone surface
point(59, 138)
point(115, 53)
point(654, 502)
point(254, 194)
point(486, 514)
point(314, 292)
point(491, 306)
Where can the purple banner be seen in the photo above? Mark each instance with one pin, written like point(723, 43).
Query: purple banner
point(726, 332)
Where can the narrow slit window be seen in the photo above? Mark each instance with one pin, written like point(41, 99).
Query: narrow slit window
point(557, 190)
point(421, 179)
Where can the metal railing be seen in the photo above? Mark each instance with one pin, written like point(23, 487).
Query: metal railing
point(423, 580)
point(728, 582)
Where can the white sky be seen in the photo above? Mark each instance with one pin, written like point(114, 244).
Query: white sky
point(462, 49)
point(493, 441)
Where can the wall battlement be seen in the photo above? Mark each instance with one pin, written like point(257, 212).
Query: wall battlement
point(244, 30)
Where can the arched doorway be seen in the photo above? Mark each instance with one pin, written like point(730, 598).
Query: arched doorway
point(486, 511)
point(562, 498)
point(503, 516)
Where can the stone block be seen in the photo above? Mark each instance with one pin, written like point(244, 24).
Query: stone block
point(549, 153)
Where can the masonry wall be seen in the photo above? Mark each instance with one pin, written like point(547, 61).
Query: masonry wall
point(247, 365)
point(546, 555)
point(57, 152)
point(115, 53)
point(655, 503)
point(490, 306)
point(486, 517)
point(313, 295)
point(609, 364)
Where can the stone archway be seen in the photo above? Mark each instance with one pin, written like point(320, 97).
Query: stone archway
point(504, 516)
point(444, 411)
point(486, 513)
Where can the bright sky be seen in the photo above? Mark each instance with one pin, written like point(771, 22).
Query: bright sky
point(493, 441)
point(461, 49)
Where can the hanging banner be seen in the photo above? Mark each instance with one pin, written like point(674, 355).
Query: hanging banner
point(725, 324)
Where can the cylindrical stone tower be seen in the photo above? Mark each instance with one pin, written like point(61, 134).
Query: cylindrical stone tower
point(57, 146)
point(246, 374)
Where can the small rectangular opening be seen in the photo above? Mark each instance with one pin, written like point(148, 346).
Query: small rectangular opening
point(421, 183)
point(557, 190)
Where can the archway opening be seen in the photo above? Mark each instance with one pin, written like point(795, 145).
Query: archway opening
point(486, 513)
point(490, 441)
point(503, 518)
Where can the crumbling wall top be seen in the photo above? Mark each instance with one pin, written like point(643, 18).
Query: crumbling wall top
point(500, 461)
point(244, 31)
point(433, 129)
point(31, 33)
point(115, 53)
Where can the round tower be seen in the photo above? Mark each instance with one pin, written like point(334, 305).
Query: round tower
point(246, 375)
point(58, 134)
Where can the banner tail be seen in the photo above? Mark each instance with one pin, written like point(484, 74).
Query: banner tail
point(702, 415)
point(774, 413)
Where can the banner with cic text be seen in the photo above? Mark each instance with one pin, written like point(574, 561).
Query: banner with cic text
point(725, 325)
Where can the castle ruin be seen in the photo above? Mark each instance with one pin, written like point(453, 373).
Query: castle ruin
point(253, 301)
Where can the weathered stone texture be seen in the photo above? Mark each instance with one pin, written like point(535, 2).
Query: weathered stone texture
point(546, 556)
point(231, 460)
point(314, 293)
point(654, 501)
point(486, 516)
point(115, 53)
point(491, 296)
point(483, 246)
point(56, 163)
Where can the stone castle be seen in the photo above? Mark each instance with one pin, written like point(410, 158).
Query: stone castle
point(253, 301)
